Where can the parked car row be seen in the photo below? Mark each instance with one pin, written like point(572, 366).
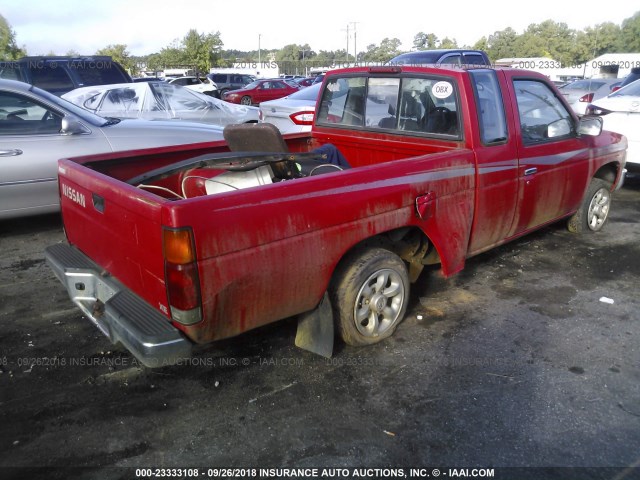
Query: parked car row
point(37, 128)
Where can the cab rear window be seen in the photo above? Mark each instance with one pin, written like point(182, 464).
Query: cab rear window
point(421, 105)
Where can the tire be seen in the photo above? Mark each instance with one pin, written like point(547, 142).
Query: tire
point(369, 295)
point(593, 213)
point(246, 100)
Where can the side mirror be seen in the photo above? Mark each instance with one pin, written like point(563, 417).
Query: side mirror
point(71, 126)
point(591, 126)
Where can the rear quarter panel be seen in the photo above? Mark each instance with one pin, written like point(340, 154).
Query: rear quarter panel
point(269, 252)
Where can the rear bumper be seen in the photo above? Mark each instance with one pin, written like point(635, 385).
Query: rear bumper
point(119, 313)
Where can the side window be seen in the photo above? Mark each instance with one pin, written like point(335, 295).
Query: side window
point(451, 60)
point(20, 115)
point(491, 116)
point(343, 102)
point(543, 117)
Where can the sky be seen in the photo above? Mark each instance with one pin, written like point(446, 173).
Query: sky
point(147, 26)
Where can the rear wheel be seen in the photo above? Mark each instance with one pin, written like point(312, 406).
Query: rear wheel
point(594, 211)
point(246, 100)
point(369, 295)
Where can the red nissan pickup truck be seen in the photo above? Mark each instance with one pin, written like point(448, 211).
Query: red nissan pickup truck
point(404, 167)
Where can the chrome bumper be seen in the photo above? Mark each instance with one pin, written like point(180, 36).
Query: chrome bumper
point(119, 313)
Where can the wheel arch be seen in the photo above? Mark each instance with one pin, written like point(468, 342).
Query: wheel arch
point(608, 172)
point(410, 243)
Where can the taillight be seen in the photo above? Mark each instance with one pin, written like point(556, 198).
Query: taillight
point(593, 110)
point(615, 89)
point(586, 98)
point(302, 118)
point(260, 116)
point(181, 275)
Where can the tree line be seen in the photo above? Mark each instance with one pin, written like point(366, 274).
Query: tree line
point(204, 51)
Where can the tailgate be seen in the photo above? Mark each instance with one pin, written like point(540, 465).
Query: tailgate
point(117, 226)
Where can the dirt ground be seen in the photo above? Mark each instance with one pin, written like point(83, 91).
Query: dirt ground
point(515, 362)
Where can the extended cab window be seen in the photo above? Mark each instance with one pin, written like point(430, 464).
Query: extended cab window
point(543, 117)
point(491, 117)
point(420, 105)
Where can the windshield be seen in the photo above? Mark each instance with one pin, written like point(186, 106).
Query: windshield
point(251, 85)
point(81, 113)
point(632, 89)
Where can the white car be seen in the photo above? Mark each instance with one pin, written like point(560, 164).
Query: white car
point(620, 113)
point(159, 101)
point(197, 85)
point(581, 92)
point(37, 128)
point(293, 113)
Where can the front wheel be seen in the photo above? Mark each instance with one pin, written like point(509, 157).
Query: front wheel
point(246, 100)
point(594, 210)
point(369, 295)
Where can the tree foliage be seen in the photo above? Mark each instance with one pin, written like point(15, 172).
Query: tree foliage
point(119, 53)
point(199, 50)
point(546, 39)
point(388, 48)
point(630, 34)
point(429, 41)
point(9, 50)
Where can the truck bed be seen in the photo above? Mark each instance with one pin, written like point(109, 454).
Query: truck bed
point(294, 222)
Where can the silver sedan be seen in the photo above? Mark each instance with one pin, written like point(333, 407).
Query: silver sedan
point(38, 128)
point(293, 113)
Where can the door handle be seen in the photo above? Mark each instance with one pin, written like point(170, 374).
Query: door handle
point(530, 171)
point(10, 153)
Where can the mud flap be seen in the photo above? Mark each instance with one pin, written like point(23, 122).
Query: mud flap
point(315, 329)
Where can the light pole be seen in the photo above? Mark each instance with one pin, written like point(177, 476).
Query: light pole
point(355, 46)
point(259, 59)
point(303, 62)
